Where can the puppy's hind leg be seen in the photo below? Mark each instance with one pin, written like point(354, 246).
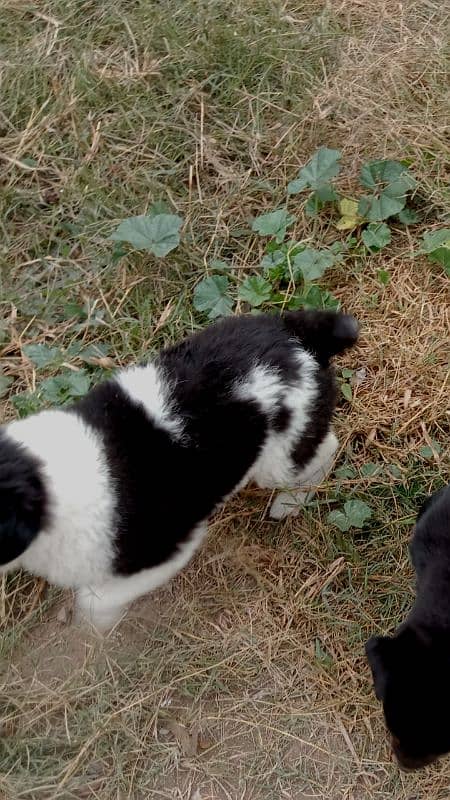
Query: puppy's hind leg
point(307, 478)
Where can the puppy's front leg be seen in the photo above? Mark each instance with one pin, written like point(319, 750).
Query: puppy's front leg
point(101, 606)
point(104, 604)
point(288, 503)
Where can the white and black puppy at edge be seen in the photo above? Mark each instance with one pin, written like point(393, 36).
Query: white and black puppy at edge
point(111, 496)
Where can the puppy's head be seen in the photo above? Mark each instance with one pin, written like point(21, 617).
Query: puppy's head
point(22, 500)
point(325, 333)
point(411, 673)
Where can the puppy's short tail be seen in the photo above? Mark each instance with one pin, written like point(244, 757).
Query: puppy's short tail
point(324, 333)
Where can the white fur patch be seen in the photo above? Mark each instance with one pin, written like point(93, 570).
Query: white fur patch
point(104, 604)
point(264, 386)
point(289, 503)
point(146, 386)
point(274, 466)
point(76, 546)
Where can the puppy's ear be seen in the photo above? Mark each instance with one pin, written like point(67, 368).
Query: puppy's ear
point(325, 333)
point(378, 652)
point(22, 499)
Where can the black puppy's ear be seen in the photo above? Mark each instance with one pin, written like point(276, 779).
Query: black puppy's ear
point(22, 499)
point(325, 333)
point(378, 652)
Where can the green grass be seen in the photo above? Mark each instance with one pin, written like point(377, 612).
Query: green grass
point(245, 678)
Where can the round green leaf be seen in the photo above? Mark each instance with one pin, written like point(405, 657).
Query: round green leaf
point(312, 263)
point(390, 182)
point(370, 469)
point(255, 290)
point(384, 171)
point(159, 207)
point(354, 515)
point(158, 233)
point(376, 236)
point(408, 216)
point(323, 166)
point(274, 223)
point(26, 403)
point(432, 451)
point(211, 297)
point(316, 297)
point(375, 209)
point(339, 519)
point(42, 355)
point(432, 240)
point(65, 387)
point(274, 258)
point(357, 513)
point(441, 256)
point(345, 472)
point(326, 193)
point(296, 186)
point(436, 245)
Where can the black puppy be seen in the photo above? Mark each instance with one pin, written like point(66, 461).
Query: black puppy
point(411, 670)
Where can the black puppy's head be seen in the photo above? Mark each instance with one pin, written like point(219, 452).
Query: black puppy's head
point(411, 673)
point(22, 500)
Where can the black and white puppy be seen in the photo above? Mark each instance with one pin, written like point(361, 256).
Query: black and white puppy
point(111, 496)
point(411, 670)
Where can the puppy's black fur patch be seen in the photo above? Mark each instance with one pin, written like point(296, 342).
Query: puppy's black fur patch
point(411, 670)
point(23, 500)
point(162, 488)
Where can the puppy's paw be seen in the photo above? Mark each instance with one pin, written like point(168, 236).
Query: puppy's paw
point(287, 504)
point(95, 612)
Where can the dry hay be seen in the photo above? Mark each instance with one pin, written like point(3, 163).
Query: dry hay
point(245, 678)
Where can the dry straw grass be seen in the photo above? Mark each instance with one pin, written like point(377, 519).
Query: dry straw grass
point(245, 678)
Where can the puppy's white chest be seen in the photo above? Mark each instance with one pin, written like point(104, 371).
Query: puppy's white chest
point(75, 547)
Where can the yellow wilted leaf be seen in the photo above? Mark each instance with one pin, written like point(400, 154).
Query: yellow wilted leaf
point(349, 214)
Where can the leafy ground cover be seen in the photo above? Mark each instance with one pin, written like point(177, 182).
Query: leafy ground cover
point(162, 164)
